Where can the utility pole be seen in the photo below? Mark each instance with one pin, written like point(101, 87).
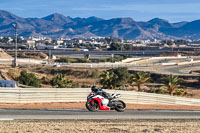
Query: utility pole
point(50, 57)
point(15, 64)
point(122, 46)
point(112, 56)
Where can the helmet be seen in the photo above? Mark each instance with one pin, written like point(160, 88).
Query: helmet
point(94, 89)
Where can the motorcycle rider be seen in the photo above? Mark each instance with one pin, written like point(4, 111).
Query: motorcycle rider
point(99, 91)
point(101, 100)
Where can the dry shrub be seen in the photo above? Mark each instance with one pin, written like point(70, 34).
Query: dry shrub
point(13, 73)
point(42, 55)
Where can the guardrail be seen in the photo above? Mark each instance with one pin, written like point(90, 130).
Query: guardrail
point(190, 62)
point(24, 60)
point(44, 95)
point(93, 65)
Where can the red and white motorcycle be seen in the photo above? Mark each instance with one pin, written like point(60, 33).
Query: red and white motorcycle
point(98, 102)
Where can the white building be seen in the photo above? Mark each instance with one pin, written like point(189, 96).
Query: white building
point(60, 42)
point(30, 42)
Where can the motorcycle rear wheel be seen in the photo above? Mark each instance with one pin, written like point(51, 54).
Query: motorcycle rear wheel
point(121, 106)
point(92, 106)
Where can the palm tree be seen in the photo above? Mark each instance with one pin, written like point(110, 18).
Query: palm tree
point(140, 78)
point(172, 83)
point(108, 80)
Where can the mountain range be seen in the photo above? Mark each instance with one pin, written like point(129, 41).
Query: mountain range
point(57, 26)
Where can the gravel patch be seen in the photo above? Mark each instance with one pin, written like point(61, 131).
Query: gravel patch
point(100, 126)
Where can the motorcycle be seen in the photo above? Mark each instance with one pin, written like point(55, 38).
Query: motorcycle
point(98, 102)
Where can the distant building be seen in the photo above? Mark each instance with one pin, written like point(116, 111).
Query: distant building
point(60, 42)
point(31, 42)
point(37, 38)
point(8, 83)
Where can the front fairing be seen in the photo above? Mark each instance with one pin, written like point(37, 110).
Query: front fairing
point(90, 96)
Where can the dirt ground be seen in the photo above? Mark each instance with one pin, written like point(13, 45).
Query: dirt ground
point(81, 105)
point(100, 126)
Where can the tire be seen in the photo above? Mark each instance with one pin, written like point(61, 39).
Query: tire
point(120, 106)
point(92, 107)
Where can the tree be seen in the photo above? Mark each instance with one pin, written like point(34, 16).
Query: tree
point(47, 43)
point(115, 46)
point(123, 75)
point(140, 78)
point(29, 79)
point(54, 41)
point(179, 42)
point(168, 42)
point(5, 40)
point(127, 46)
point(172, 83)
point(108, 80)
point(19, 40)
point(114, 78)
point(60, 81)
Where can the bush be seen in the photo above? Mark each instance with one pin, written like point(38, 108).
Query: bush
point(70, 60)
point(114, 78)
point(123, 75)
point(178, 92)
point(45, 80)
point(142, 90)
point(29, 79)
point(83, 60)
point(127, 47)
point(76, 49)
point(158, 90)
point(65, 60)
point(102, 60)
point(60, 81)
point(115, 59)
point(126, 56)
point(181, 92)
point(95, 74)
point(84, 85)
point(107, 79)
point(115, 46)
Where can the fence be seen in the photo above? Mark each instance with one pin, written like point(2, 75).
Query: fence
point(41, 95)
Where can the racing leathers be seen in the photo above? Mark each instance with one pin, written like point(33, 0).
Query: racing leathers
point(103, 93)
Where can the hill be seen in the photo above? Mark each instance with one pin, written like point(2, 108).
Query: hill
point(57, 25)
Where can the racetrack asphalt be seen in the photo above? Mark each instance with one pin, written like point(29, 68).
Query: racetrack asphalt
point(44, 114)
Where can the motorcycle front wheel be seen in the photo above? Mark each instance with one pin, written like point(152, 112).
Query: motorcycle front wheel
point(120, 106)
point(91, 106)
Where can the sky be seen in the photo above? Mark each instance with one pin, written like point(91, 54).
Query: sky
point(139, 10)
